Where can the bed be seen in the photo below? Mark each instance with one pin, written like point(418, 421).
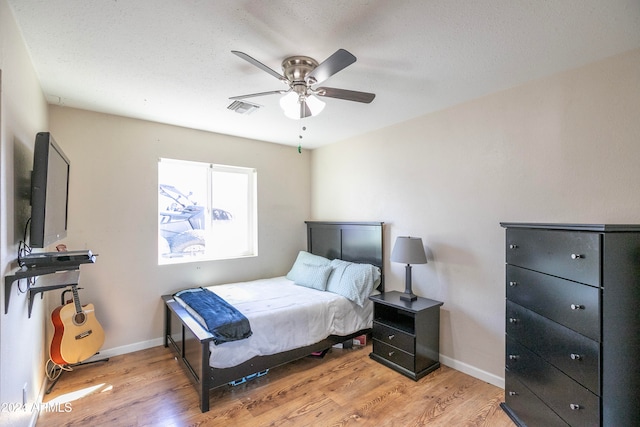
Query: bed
point(209, 366)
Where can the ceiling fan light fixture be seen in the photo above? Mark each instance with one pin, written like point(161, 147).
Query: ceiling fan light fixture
point(315, 105)
point(290, 104)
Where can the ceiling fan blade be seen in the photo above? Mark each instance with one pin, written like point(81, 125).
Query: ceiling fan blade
point(340, 60)
point(251, 95)
point(259, 65)
point(349, 95)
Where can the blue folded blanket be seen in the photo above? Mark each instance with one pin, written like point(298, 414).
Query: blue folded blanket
point(223, 320)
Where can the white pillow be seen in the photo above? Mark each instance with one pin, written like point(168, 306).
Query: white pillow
point(314, 276)
point(353, 281)
point(299, 271)
point(333, 284)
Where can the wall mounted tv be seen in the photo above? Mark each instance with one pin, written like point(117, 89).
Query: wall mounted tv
point(49, 192)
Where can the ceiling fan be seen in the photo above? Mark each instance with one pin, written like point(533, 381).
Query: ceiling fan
point(301, 74)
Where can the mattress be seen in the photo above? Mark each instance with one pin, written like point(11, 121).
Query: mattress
point(284, 316)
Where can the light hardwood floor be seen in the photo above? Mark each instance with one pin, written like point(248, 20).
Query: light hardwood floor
point(346, 387)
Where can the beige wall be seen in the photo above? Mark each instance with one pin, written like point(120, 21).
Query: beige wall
point(113, 212)
point(561, 149)
point(23, 112)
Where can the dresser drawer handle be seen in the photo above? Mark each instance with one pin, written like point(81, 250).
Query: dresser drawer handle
point(513, 246)
point(513, 320)
point(575, 356)
point(513, 393)
point(391, 353)
point(576, 256)
point(514, 357)
point(577, 306)
point(512, 284)
point(574, 406)
point(392, 336)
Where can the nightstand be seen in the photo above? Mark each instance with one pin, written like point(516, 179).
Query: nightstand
point(406, 334)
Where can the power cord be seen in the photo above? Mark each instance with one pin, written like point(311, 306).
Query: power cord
point(23, 250)
point(54, 370)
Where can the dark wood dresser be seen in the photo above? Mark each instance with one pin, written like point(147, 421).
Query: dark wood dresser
point(572, 324)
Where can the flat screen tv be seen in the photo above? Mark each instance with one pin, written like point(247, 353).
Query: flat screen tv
point(49, 192)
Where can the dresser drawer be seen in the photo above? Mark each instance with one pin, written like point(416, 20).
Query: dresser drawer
point(394, 337)
point(394, 355)
point(526, 405)
point(573, 255)
point(574, 354)
point(571, 304)
point(571, 401)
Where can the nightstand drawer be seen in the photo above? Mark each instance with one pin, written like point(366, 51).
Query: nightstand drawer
point(573, 255)
point(571, 304)
point(394, 337)
point(394, 355)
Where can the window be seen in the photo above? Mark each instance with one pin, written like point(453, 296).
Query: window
point(206, 211)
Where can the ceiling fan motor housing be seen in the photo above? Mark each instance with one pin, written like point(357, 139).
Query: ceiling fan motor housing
point(296, 69)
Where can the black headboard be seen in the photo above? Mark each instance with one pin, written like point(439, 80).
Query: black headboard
point(350, 241)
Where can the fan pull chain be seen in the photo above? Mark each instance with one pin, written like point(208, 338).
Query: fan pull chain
point(302, 128)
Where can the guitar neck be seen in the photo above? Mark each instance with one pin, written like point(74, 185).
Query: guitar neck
point(76, 299)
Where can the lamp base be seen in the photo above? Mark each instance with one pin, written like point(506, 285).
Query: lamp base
point(408, 294)
point(408, 297)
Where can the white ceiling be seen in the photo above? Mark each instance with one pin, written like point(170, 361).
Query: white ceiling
point(170, 61)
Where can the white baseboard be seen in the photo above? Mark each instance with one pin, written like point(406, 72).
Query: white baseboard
point(473, 371)
point(130, 348)
point(36, 413)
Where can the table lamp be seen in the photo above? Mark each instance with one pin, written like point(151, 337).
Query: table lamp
point(408, 250)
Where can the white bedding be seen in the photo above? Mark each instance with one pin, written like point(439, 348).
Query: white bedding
point(284, 316)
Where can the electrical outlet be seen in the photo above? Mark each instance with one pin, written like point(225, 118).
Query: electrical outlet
point(24, 395)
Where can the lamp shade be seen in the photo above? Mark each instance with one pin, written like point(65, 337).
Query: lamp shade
point(409, 250)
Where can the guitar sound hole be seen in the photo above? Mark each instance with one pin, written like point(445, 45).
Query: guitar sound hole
point(79, 318)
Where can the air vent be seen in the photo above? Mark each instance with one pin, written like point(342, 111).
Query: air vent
point(243, 107)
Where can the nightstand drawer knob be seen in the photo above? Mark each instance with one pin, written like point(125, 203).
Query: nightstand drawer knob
point(576, 256)
point(574, 406)
point(513, 246)
point(392, 336)
point(513, 320)
point(513, 393)
point(575, 356)
point(577, 306)
point(513, 357)
point(512, 284)
point(391, 353)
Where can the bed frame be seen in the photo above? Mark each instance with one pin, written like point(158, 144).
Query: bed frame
point(350, 241)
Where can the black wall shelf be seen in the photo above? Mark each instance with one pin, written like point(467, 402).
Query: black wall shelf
point(49, 279)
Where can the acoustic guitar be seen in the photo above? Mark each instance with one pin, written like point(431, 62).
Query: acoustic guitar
point(77, 334)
